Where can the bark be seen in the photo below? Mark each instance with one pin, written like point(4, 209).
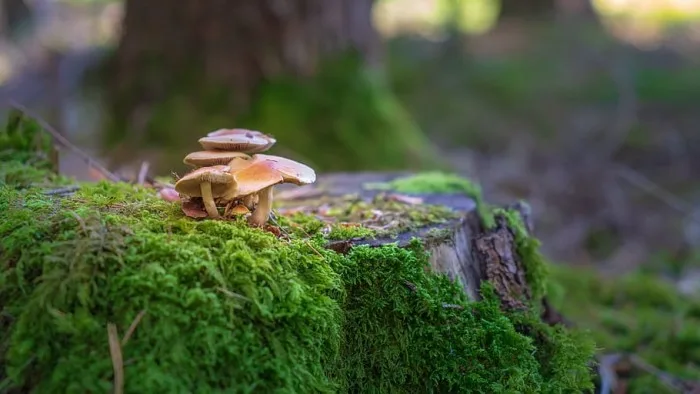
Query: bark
point(233, 44)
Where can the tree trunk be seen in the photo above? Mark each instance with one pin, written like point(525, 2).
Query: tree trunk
point(526, 8)
point(15, 19)
point(547, 9)
point(239, 43)
point(214, 55)
point(461, 247)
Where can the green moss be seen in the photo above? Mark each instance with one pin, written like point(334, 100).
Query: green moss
point(439, 183)
point(638, 313)
point(349, 231)
point(230, 307)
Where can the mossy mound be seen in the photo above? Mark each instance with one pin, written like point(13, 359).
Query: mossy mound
point(228, 308)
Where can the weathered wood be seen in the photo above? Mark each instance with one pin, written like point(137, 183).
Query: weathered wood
point(464, 250)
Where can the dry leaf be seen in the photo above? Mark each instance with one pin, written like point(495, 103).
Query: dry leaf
point(194, 209)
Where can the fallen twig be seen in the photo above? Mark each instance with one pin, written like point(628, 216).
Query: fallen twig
point(132, 327)
point(306, 241)
point(609, 380)
point(62, 191)
point(657, 191)
point(117, 359)
point(606, 372)
point(143, 172)
point(67, 144)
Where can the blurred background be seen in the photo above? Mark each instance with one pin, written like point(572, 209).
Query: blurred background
point(587, 109)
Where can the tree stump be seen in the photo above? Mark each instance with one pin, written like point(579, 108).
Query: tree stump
point(459, 246)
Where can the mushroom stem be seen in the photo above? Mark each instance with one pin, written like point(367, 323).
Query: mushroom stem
point(209, 200)
point(262, 212)
point(249, 201)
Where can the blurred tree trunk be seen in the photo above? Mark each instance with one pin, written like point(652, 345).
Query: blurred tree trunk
point(15, 18)
point(238, 43)
point(546, 9)
point(214, 55)
point(526, 8)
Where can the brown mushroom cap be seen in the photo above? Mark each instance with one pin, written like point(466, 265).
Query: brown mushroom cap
point(219, 177)
point(212, 157)
point(241, 140)
point(240, 209)
point(268, 170)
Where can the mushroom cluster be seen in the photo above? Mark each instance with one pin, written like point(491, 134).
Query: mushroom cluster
point(232, 173)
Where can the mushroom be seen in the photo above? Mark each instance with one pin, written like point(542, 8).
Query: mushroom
point(237, 209)
point(207, 182)
point(244, 141)
point(216, 157)
point(220, 132)
point(261, 175)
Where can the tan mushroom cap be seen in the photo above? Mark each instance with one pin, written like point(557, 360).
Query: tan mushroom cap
point(222, 132)
point(268, 170)
point(219, 177)
point(240, 209)
point(241, 140)
point(212, 157)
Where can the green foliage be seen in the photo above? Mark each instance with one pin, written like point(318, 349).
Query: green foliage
point(343, 118)
point(638, 313)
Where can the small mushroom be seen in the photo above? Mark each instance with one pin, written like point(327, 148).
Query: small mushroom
point(215, 157)
point(246, 142)
point(207, 182)
point(262, 174)
point(237, 210)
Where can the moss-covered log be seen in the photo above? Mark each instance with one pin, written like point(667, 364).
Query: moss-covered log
point(107, 286)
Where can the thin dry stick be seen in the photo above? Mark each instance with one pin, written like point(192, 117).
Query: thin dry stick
point(657, 191)
point(306, 241)
point(117, 360)
point(143, 172)
point(132, 327)
point(63, 141)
